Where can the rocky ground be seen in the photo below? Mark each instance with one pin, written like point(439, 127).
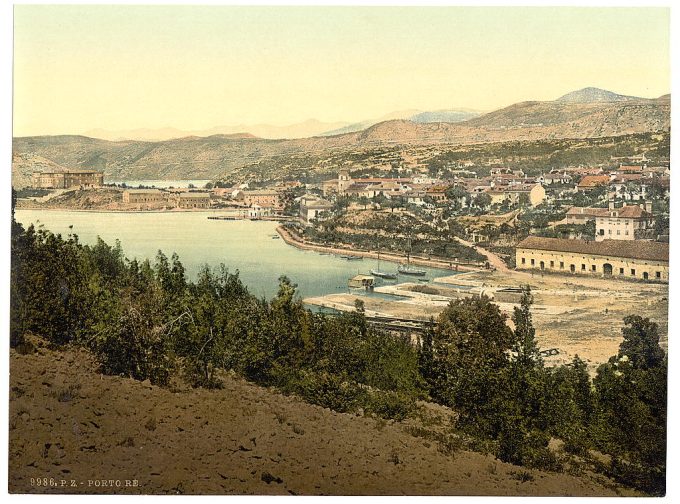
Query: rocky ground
point(90, 433)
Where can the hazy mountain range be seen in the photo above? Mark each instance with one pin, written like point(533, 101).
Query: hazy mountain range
point(305, 129)
point(311, 127)
point(587, 113)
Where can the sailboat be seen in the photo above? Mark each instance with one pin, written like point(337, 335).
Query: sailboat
point(407, 269)
point(383, 274)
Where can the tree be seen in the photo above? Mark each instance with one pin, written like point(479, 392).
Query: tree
point(526, 350)
point(641, 342)
point(471, 346)
point(631, 391)
point(482, 200)
point(523, 200)
point(341, 203)
point(458, 197)
point(661, 225)
point(426, 353)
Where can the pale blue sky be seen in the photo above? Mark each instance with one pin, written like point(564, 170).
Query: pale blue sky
point(120, 67)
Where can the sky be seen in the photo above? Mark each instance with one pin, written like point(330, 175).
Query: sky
point(84, 67)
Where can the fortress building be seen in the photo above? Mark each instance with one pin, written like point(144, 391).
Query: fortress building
point(632, 259)
point(67, 179)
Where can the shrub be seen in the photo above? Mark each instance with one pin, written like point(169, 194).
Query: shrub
point(134, 346)
point(326, 390)
point(390, 405)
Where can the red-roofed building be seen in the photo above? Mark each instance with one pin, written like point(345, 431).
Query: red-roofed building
point(580, 215)
point(631, 168)
point(590, 182)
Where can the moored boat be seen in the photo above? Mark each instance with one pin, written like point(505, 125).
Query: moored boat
point(407, 269)
point(351, 257)
point(383, 274)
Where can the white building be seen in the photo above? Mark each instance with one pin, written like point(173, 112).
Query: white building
point(631, 222)
point(312, 208)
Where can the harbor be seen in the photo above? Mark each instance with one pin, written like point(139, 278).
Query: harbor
point(575, 315)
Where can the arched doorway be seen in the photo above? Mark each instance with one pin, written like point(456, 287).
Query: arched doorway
point(608, 269)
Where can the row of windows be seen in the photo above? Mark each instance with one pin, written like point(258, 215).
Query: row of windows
point(593, 268)
point(618, 232)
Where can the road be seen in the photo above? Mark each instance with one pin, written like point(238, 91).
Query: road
point(494, 260)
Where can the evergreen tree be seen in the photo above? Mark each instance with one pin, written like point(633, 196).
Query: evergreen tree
point(641, 342)
point(526, 350)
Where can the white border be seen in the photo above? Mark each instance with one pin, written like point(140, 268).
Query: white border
point(5, 155)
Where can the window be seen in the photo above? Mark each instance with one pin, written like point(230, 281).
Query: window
point(610, 231)
point(533, 262)
point(626, 232)
point(632, 272)
point(658, 274)
point(618, 231)
point(561, 264)
point(594, 268)
point(552, 264)
point(620, 271)
point(524, 261)
point(583, 267)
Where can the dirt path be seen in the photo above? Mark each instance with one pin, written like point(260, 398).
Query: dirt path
point(494, 260)
point(73, 425)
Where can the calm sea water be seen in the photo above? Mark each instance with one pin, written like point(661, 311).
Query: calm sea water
point(241, 245)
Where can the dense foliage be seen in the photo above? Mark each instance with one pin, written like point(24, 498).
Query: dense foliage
point(385, 231)
point(146, 321)
point(494, 378)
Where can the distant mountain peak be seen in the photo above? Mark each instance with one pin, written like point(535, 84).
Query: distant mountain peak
point(594, 95)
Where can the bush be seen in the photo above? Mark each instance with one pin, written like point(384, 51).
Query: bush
point(389, 405)
point(326, 390)
point(133, 346)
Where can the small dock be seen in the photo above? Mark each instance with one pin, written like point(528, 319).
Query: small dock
point(361, 282)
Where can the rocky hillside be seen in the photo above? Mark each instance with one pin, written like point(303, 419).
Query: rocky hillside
point(25, 163)
point(592, 95)
point(219, 155)
point(68, 422)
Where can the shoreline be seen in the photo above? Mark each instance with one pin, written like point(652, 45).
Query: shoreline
point(219, 214)
point(295, 241)
point(113, 210)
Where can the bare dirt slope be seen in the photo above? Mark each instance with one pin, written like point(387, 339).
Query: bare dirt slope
point(69, 423)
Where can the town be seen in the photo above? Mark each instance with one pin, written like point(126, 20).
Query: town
point(339, 250)
point(608, 220)
point(575, 231)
